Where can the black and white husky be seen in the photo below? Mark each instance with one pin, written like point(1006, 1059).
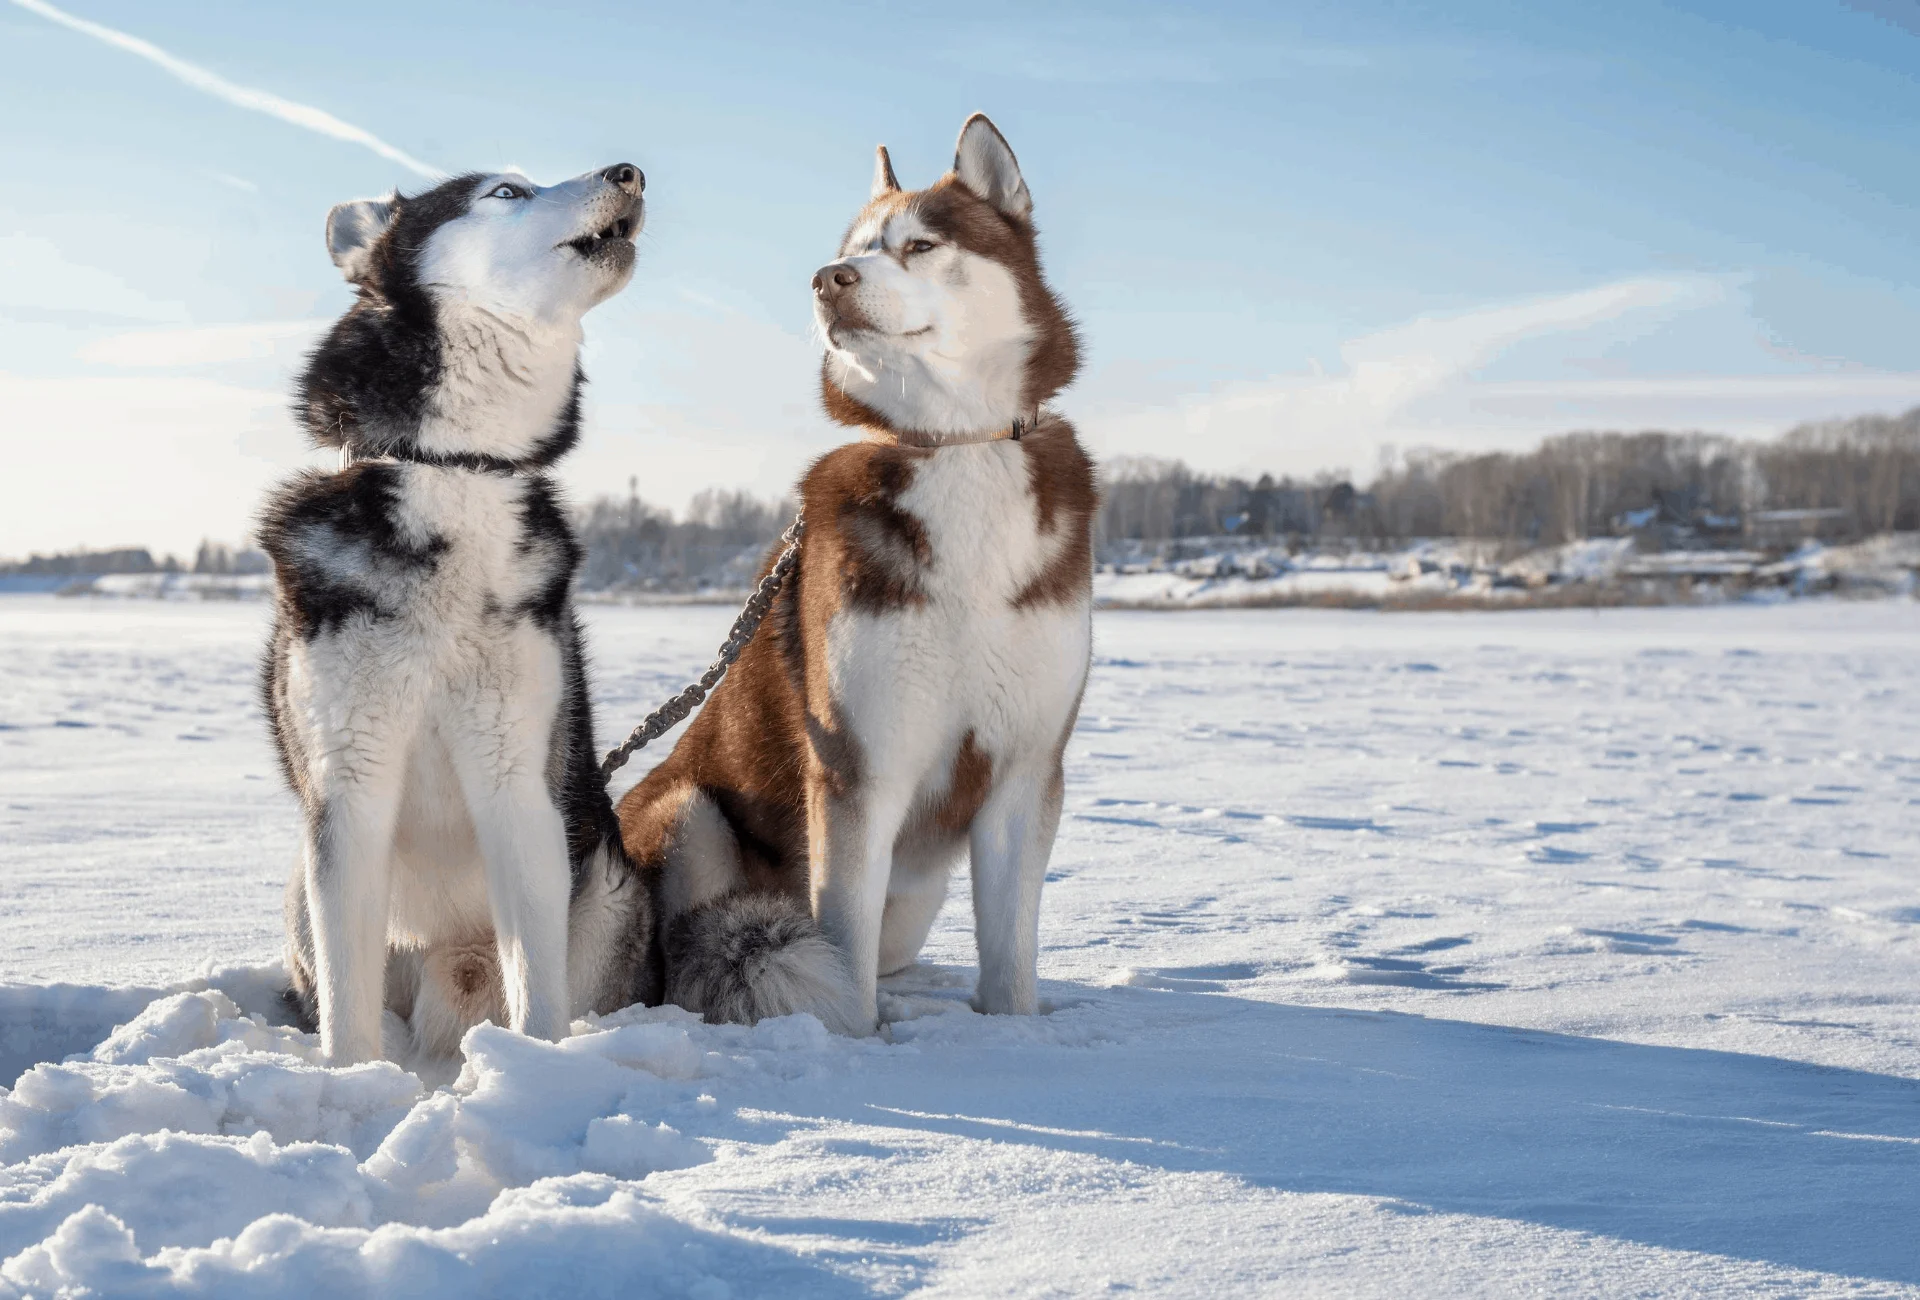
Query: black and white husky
point(425, 681)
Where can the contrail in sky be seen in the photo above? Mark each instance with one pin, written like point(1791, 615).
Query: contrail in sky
point(313, 119)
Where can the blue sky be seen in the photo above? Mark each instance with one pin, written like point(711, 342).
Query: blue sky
point(1297, 235)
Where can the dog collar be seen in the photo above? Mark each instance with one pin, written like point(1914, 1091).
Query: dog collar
point(471, 461)
point(1019, 428)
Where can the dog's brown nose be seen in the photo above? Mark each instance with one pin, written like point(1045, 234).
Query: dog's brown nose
point(626, 176)
point(831, 280)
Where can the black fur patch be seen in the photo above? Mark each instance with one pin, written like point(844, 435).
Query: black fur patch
point(544, 526)
point(366, 385)
point(575, 782)
point(336, 547)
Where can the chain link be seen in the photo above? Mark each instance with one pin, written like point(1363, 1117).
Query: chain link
point(752, 613)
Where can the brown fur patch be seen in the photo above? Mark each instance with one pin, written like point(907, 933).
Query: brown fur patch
point(967, 788)
point(469, 975)
point(772, 724)
point(745, 749)
point(878, 548)
point(1060, 477)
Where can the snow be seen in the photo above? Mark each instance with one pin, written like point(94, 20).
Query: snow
point(1440, 954)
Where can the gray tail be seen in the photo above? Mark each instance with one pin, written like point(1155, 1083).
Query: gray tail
point(746, 956)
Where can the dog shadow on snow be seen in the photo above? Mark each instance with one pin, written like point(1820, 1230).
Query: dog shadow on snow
point(1751, 1157)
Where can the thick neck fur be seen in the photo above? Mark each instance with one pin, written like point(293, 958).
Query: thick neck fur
point(930, 400)
point(988, 341)
point(930, 397)
point(426, 380)
point(507, 387)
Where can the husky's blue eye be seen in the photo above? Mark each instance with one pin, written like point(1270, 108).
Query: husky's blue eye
point(508, 192)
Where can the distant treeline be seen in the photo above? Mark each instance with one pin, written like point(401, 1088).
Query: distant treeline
point(212, 557)
point(74, 564)
point(1840, 479)
point(634, 546)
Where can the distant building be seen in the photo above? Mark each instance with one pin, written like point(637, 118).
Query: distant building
point(1782, 530)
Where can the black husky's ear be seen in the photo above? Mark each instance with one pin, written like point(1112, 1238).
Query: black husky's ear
point(884, 181)
point(985, 165)
point(351, 229)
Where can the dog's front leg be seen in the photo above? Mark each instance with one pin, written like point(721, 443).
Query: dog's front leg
point(348, 867)
point(523, 841)
point(850, 849)
point(500, 740)
point(1010, 842)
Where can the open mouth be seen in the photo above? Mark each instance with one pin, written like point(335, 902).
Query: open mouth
point(620, 228)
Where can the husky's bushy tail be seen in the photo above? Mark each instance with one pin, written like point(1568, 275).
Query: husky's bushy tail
point(750, 955)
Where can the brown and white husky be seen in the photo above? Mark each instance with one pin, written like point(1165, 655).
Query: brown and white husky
point(909, 697)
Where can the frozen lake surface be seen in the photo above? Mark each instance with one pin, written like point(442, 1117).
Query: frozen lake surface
point(1386, 954)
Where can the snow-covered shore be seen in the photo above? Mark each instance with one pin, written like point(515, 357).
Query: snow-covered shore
point(1230, 573)
point(1466, 954)
point(1236, 573)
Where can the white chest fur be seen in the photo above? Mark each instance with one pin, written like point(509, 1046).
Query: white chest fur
point(487, 560)
point(969, 657)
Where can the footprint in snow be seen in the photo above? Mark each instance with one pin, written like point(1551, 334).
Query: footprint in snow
point(1405, 972)
point(1189, 979)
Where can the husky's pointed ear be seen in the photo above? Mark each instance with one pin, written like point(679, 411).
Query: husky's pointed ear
point(351, 229)
point(985, 165)
point(884, 181)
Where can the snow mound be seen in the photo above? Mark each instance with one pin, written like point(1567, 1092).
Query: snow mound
point(198, 1148)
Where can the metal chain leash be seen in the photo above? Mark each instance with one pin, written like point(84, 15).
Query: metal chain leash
point(751, 615)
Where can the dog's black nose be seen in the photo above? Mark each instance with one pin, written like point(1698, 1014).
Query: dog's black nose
point(626, 176)
point(829, 280)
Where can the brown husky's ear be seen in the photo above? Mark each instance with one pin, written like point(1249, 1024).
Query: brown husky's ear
point(985, 165)
point(884, 181)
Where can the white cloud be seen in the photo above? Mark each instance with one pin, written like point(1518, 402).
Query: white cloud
point(203, 345)
point(137, 461)
point(1417, 384)
point(304, 116)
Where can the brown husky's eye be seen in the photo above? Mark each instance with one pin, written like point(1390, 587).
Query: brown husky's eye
point(922, 246)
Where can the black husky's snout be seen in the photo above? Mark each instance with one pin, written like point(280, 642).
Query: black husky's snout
point(627, 177)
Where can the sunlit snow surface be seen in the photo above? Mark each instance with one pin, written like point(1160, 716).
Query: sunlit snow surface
point(1518, 953)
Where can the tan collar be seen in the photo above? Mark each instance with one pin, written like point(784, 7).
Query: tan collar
point(1014, 432)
